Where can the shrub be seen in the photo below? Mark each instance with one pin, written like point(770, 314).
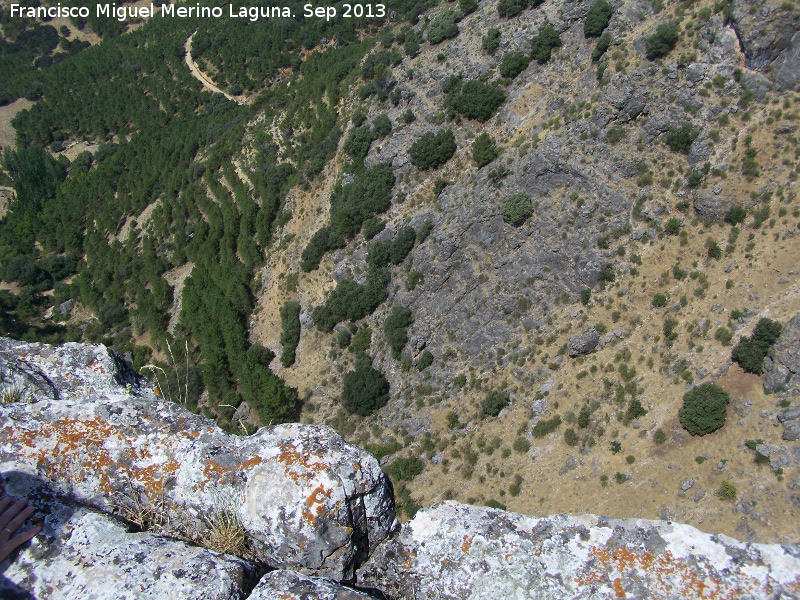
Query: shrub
point(607, 274)
point(543, 44)
point(704, 409)
point(361, 340)
point(750, 352)
point(405, 469)
point(723, 335)
point(597, 19)
point(372, 227)
point(443, 27)
point(432, 151)
point(521, 445)
point(343, 339)
point(409, 116)
point(413, 280)
point(382, 125)
point(425, 360)
point(601, 47)
point(586, 296)
point(365, 389)
point(394, 327)
point(358, 142)
point(545, 426)
point(570, 437)
point(680, 139)
point(477, 100)
point(673, 226)
point(290, 336)
point(351, 301)
point(662, 42)
point(516, 209)
point(727, 491)
point(659, 300)
point(491, 41)
point(494, 402)
point(511, 8)
point(513, 64)
point(737, 214)
point(483, 150)
point(424, 231)
point(467, 6)
point(670, 335)
point(659, 437)
point(635, 410)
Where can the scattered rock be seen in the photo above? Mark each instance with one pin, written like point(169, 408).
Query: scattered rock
point(289, 585)
point(687, 484)
point(583, 343)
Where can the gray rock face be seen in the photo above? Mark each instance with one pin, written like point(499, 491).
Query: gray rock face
point(308, 499)
point(456, 551)
point(769, 37)
point(583, 343)
point(83, 554)
point(288, 585)
point(783, 362)
point(711, 207)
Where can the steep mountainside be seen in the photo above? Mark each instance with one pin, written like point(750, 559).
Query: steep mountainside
point(495, 243)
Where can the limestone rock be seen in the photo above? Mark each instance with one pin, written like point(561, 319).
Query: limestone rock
point(72, 370)
point(583, 343)
point(84, 554)
point(783, 363)
point(289, 585)
point(310, 500)
point(456, 551)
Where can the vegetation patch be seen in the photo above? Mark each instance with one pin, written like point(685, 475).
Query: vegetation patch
point(704, 409)
point(365, 389)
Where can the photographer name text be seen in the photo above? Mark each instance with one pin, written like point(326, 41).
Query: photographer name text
point(167, 11)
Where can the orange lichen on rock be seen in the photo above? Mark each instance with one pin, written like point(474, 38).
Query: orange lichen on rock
point(318, 497)
point(291, 457)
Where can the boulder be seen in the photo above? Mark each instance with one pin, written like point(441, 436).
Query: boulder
point(308, 499)
point(83, 554)
point(783, 362)
point(583, 343)
point(458, 551)
point(289, 585)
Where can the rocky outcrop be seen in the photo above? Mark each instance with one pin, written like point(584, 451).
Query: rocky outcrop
point(289, 585)
point(457, 551)
point(84, 554)
point(583, 343)
point(770, 39)
point(783, 361)
point(307, 498)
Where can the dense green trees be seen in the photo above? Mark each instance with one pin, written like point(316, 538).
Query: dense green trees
point(473, 99)
point(431, 151)
point(750, 352)
point(544, 42)
point(483, 150)
point(704, 409)
point(443, 27)
point(662, 41)
point(394, 328)
point(494, 402)
point(290, 336)
point(597, 19)
point(365, 389)
point(517, 208)
point(513, 64)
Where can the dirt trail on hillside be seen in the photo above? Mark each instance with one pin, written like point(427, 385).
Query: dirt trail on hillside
point(197, 74)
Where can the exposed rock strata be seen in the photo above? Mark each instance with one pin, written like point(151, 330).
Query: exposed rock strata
point(457, 551)
point(310, 500)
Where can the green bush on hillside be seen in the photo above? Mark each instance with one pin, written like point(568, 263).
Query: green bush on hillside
point(483, 150)
point(750, 352)
point(704, 409)
point(432, 151)
point(597, 19)
point(290, 336)
point(475, 99)
point(395, 326)
point(516, 209)
point(491, 41)
point(365, 389)
point(443, 27)
point(495, 402)
point(662, 41)
point(542, 44)
point(513, 64)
